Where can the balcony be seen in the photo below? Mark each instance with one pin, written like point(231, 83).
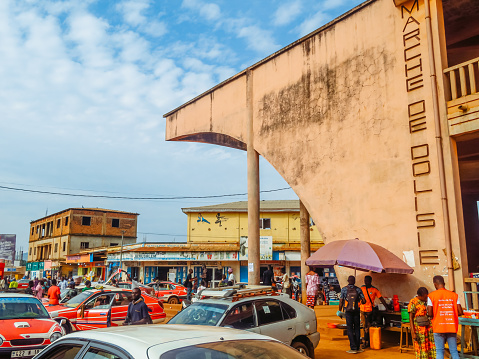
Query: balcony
point(463, 97)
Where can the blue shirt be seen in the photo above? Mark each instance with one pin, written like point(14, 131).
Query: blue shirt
point(137, 311)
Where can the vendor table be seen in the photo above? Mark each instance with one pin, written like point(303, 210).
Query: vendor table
point(473, 324)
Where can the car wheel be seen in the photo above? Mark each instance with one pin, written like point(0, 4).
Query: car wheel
point(66, 328)
point(173, 300)
point(300, 347)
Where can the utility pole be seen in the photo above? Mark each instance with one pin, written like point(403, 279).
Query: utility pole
point(121, 249)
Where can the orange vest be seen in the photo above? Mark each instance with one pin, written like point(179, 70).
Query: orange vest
point(373, 293)
point(444, 304)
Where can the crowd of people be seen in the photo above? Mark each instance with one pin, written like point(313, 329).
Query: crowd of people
point(434, 317)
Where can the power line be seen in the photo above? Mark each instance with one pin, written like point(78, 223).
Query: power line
point(134, 198)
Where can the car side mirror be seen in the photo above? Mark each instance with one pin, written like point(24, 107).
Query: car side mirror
point(63, 322)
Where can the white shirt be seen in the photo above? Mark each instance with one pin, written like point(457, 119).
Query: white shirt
point(231, 278)
point(429, 302)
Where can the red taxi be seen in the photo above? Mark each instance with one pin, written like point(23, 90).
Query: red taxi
point(170, 292)
point(101, 308)
point(143, 288)
point(23, 283)
point(25, 326)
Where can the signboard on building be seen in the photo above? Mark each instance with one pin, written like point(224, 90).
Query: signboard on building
point(265, 248)
point(7, 246)
point(174, 256)
point(35, 266)
point(82, 258)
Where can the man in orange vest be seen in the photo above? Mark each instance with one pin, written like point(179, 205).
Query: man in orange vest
point(444, 308)
point(370, 294)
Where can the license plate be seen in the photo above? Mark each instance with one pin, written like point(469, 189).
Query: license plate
point(25, 353)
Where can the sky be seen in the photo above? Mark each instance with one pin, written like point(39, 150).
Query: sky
point(84, 86)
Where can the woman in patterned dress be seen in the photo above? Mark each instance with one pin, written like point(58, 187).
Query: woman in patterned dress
point(312, 287)
point(422, 336)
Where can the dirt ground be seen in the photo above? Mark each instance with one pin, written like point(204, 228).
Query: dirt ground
point(336, 349)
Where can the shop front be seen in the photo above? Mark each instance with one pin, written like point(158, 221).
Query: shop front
point(35, 270)
point(174, 265)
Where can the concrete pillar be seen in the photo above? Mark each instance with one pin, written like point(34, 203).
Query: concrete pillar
point(253, 189)
point(305, 247)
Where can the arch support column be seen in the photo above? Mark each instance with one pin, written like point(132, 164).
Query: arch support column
point(305, 246)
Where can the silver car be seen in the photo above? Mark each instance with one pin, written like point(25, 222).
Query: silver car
point(271, 314)
point(167, 342)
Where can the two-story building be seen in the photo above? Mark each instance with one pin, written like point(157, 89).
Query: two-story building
point(217, 236)
point(70, 231)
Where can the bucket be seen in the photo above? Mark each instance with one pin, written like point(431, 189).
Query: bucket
point(334, 302)
point(404, 315)
point(375, 338)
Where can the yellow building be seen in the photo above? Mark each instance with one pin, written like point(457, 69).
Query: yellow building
point(279, 231)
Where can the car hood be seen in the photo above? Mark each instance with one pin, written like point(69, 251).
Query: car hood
point(57, 310)
point(18, 328)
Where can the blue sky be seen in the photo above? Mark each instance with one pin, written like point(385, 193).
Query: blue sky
point(84, 86)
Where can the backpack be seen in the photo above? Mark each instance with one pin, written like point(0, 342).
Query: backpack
point(352, 298)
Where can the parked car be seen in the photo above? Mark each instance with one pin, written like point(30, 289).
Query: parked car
point(259, 310)
point(25, 326)
point(23, 284)
point(167, 342)
point(144, 288)
point(101, 308)
point(170, 292)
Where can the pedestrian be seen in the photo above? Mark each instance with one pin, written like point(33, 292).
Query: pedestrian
point(53, 294)
point(223, 282)
point(2, 283)
point(268, 276)
point(77, 280)
point(29, 289)
point(114, 283)
point(204, 275)
point(39, 290)
point(421, 329)
point(70, 291)
point(332, 295)
point(312, 287)
point(137, 310)
point(286, 283)
point(13, 284)
point(444, 308)
point(63, 284)
point(349, 300)
point(35, 282)
point(87, 286)
point(189, 284)
point(368, 309)
point(231, 277)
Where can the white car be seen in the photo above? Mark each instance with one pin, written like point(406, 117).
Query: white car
point(167, 342)
point(257, 309)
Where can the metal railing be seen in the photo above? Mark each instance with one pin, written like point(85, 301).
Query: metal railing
point(463, 79)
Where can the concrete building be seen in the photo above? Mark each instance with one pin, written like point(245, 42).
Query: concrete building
point(68, 232)
point(373, 120)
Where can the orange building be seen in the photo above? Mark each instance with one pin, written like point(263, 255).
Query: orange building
point(68, 232)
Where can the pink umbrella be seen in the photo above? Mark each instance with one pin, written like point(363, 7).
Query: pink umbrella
point(360, 255)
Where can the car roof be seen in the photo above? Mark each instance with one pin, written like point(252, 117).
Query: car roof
point(15, 295)
point(138, 338)
point(229, 300)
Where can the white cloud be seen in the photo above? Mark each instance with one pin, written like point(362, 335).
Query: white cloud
point(312, 23)
point(258, 39)
point(209, 11)
point(287, 12)
point(133, 14)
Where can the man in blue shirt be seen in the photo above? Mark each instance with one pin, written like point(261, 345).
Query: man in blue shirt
point(137, 310)
point(349, 299)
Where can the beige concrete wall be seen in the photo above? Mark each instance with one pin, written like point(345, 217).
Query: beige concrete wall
point(351, 106)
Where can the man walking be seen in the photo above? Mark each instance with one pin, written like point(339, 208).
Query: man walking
point(286, 283)
point(370, 294)
point(268, 276)
point(137, 310)
point(349, 299)
point(189, 284)
point(53, 294)
point(444, 308)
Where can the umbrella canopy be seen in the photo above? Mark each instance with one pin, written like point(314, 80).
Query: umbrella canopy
point(360, 255)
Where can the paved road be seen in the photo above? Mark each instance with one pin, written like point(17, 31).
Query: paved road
point(336, 349)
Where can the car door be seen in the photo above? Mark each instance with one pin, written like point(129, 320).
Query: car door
point(241, 317)
point(96, 312)
point(119, 307)
point(273, 321)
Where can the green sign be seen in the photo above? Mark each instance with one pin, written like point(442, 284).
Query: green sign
point(34, 266)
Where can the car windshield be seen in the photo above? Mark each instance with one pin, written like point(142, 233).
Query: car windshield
point(77, 300)
point(22, 308)
point(234, 349)
point(200, 314)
